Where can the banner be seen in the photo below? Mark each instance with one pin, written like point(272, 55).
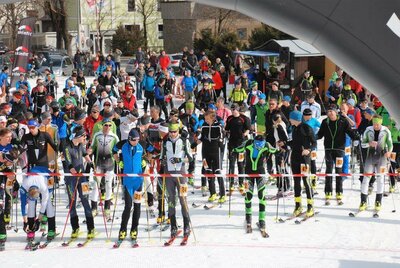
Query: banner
point(23, 48)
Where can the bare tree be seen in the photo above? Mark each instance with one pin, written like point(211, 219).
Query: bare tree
point(12, 15)
point(147, 9)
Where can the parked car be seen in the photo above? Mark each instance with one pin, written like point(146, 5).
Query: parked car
point(60, 65)
point(131, 66)
point(175, 60)
point(6, 60)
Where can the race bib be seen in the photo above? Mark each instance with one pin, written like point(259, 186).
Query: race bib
point(50, 183)
point(183, 190)
point(382, 170)
point(313, 155)
point(85, 188)
point(347, 151)
point(339, 162)
point(52, 166)
point(241, 157)
point(304, 169)
point(137, 197)
point(393, 156)
point(9, 184)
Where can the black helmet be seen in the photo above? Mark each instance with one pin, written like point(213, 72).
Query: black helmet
point(54, 104)
point(133, 134)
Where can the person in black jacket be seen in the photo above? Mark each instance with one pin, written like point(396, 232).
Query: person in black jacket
point(334, 129)
point(303, 140)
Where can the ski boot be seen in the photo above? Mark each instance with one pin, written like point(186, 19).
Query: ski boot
point(174, 232)
point(212, 198)
point(30, 236)
point(222, 199)
point(328, 197)
point(133, 234)
point(75, 233)
point(3, 239)
point(160, 219)
point(298, 209)
point(378, 206)
point(121, 235)
point(91, 234)
point(370, 189)
point(363, 206)
point(51, 235)
point(7, 219)
point(249, 229)
point(191, 181)
point(43, 224)
point(107, 214)
point(339, 199)
point(310, 210)
point(231, 190)
point(204, 190)
point(242, 190)
point(391, 189)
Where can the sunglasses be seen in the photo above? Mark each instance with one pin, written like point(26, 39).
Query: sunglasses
point(107, 104)
point(134, 139)
point(31, 127)
point(94, 112)
point(173, 131)
point(107, 125)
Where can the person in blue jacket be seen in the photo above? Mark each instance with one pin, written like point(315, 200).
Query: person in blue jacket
point(148, 84)
point(130, 160)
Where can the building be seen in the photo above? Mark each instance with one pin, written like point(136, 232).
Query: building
point(184, 20)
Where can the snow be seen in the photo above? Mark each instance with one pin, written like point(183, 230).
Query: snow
point(330, 239)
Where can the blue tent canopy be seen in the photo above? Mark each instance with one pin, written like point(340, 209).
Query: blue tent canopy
point(258, 53)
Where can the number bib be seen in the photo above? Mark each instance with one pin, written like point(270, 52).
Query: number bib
point(241, 157)
point(137, 197)
point(393, 157)
point(313, 155)
point(304, 169)
point(347, 151)
point(9, 184)
point(339, 162)
point(85, 188)
point(50, 183)
point(183, 190)
point(382, 170)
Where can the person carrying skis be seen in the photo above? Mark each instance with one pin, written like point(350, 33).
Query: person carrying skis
point(256, 152)
point(130, 160)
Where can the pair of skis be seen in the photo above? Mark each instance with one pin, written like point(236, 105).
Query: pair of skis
point(297, 217)
point(134, 243)
point(262, 230)
point(157, 225)
point(375, 214)
point(172, 239)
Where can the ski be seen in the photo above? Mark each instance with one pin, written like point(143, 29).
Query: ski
point(45, 244)
point(375, 214)
point(32, 245)
point(184, 241)
point(172, 239)
point(118, 244)
point(340, 202)
point(276, 197)
point(355, 214)
point(152, 227)
point(165, 227)
point(305, 218)
point(71, 240)
point(290, 218)
point(194, 205)
point(87, 241)
point(134, 243)
point(209, 207)
point(262, 230)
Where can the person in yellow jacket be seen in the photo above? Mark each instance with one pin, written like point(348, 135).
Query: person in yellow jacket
point(238, 94)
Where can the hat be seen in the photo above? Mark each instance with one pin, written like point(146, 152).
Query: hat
point(307, 111)
point(45, 115)
point(3, 118)
point(95, 109)
point(235, 106)
point(295, 115)
point(108, 114)
point(79, 115)
point(189, 105)
point(65, 90)
point(49, 97)
point(287, 98)
point(351, 102)
point(307, 71)
point(144, 120)
point(106, 120)
point(311, 96)
point(332, 107)
point(243, 108)
point(9, 157)
point(347, 87)
point(133, 134)
point(5, 105)
point(18, 95)
point(77, 133)
point(120, 100)
point(276, 83)
point(173, 127)
point(69, 101)
point(212, 106)
point(253, 84)
point(369, 111)
point(262, 96)
point(33, 123)
point(11, 121)
point(151, 70)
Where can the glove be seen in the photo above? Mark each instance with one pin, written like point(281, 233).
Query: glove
point(90, 165)
point(121, 164)
point(26, 227)
point(175, 160)
point(144, 164)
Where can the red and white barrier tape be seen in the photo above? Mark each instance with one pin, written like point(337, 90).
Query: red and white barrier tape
point(196, 175)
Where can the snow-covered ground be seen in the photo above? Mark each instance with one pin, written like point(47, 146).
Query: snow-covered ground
point(331, 239)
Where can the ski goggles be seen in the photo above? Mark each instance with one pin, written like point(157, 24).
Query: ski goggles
point(259, 144)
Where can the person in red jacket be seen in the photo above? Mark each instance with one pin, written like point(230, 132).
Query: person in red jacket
point(129, 100)
point(91, 120)
point(164, 61)
point(204, 64)
point(217, 80)
point(354, 111)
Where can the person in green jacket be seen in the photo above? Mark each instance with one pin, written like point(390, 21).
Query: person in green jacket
point(258, 114)
point(238, 94)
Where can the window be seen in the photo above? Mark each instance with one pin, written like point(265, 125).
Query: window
point(160, 31)
point(131, 5)
point(132, 27)
point(242, 33)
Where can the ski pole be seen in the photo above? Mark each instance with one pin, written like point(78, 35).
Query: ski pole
point(70, 204)
point(391, 171)
point(115, 204)
point(102, 208)
point(16, 215)
point(162, 205)
point(147, 208)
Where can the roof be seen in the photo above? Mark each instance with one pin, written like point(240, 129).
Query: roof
point(258, 53)
point(298, 47)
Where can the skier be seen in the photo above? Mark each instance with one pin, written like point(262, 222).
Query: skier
point(174, 149)
point(131, 163)
point(256, 152)
point(74, 153)
point(378, 140)
point(303, 141)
